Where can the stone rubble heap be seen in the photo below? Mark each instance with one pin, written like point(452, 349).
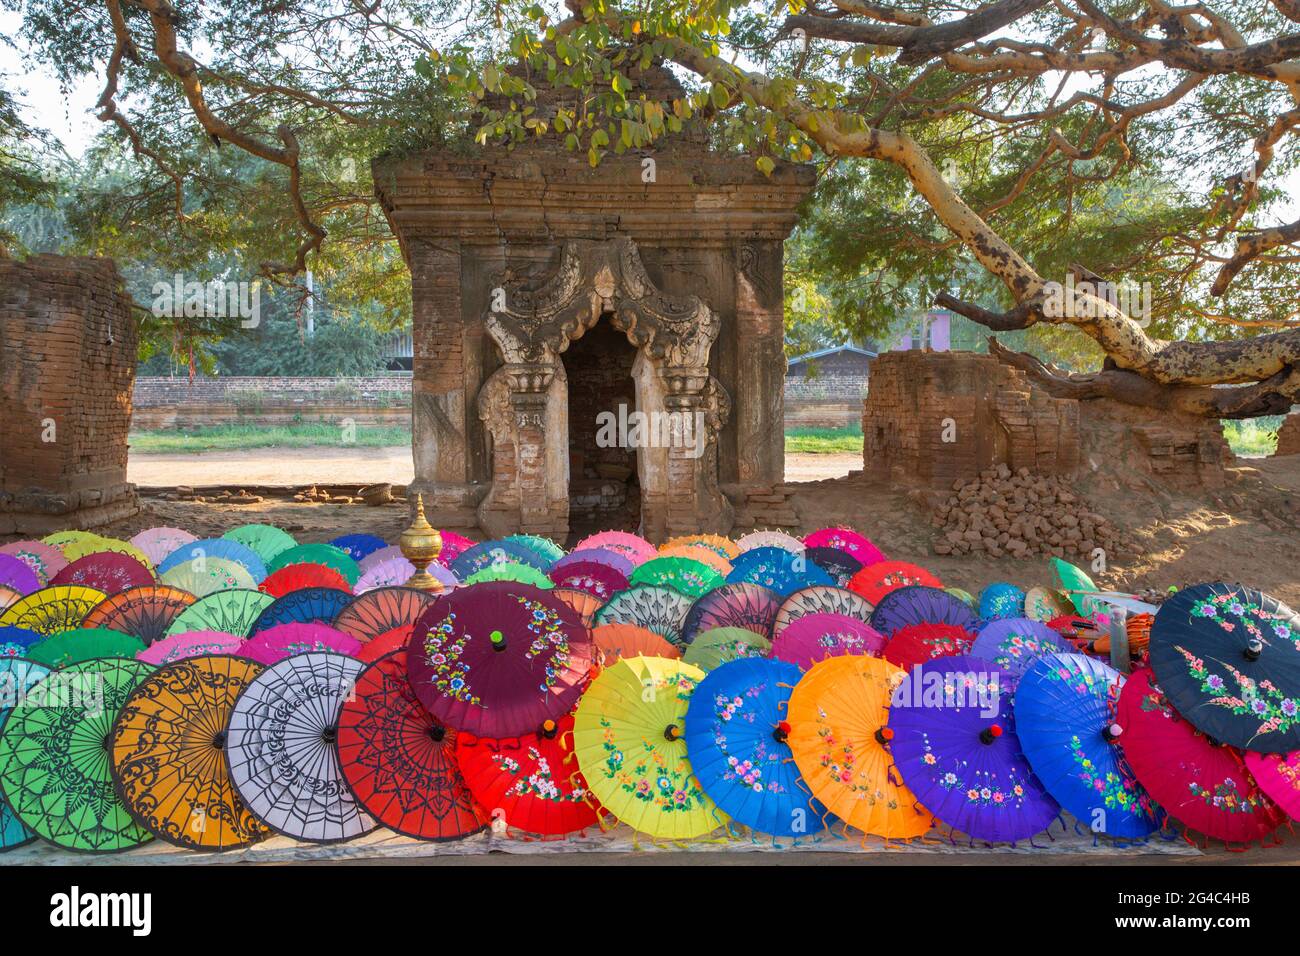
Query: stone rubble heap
point(1019, 514)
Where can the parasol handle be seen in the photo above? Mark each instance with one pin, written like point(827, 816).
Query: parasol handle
point(1111, 732)
point(883, 736)
point(782, 732)
point(498, 641)
point(990, 734)
point(1253, 649)
point(672, 733)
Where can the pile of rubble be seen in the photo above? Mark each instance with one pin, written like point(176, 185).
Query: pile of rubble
point(1019, 514)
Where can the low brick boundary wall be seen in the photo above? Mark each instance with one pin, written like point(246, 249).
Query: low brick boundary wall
point(162, 402)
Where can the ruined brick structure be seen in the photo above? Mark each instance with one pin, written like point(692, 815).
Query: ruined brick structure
point(67, 364)
point(516, 255)
point(934, 418)
point(1288, 435)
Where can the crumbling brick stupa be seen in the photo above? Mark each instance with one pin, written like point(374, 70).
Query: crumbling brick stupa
point(544, 288)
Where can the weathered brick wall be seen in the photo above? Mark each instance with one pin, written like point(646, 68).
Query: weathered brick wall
point(826, 392)
point(932, 418)
point(163, 402)
point(1288, 436)
point(67, 363)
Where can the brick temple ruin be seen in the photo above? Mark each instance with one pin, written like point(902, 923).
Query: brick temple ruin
point(67, 363)
point(545, 292)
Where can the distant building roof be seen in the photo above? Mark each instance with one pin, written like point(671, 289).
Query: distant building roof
point(834, 350)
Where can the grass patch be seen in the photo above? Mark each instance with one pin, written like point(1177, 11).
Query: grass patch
point(236, 437)
point(824, 441)
point(1255, 437)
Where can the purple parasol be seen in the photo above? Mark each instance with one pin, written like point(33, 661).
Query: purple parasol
point(617, 560)
point(17, 574)
point(816, 637)
point(42, 558)
point(917, 604)
point(750, 606)
point(285, 640)
point(954, 743)
point(598, 580)
point(1014, 644)
point(499, 659)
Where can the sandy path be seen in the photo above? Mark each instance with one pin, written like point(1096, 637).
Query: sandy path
point(297, 466)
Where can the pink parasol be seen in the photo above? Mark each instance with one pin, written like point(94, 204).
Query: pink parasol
point(1278, 775)
point(190, 644)
point(1203, 784)
point(453, 545)
point(285, 640)
point(635, 547)
point(617, 560)
point(846, 540)
point(816, 637)
point(105, 571)
point(157, 543)
point(500, 658)
point(598, 580)
point(46, 560)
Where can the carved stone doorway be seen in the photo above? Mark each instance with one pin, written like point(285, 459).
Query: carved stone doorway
point(604, 486)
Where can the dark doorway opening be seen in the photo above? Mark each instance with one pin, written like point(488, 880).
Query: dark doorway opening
point(603, 487)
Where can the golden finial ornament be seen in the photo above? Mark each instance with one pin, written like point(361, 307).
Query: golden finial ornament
point(421, 543)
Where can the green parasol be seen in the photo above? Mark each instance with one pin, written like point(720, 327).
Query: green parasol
point(264, 539)
point(720, 645)
point(83, 644)
point(543, 547)
point(684, 575)
point(208, 576)
point(231, 612)
point(1074, 581)
point(325, 554)
point(54, 767)
point(511, 571)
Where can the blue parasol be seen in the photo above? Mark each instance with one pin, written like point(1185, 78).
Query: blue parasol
point(208, 548)
point(306, 605)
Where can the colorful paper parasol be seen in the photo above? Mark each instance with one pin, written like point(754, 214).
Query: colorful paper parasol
point(99, 545)
point(599, 580)
point(157, 543)
point(382, 611)
point(14, 641)
point(17, 574)
point(1278, 775)
point(821, 600)
point(325, 554)
point(1200, 783)
point(696, 552)
point(199, 553)
point(310, 605)
point(232, 612)
point(736, 740)
point(965, 597)
point(723, 547)
point(815, 637)
point(512, 571)
point(453, 546)
point(17, 677)
point(488, 553)
point(842, 746)
point(685, 575)
point(584, 604)
point(1001, 600)
point(1065, 707)
point(281, 749)
point(190, 644)
point(850, 542)
point(288, 640)
point(1074, 581)
point(144, 612)
point(544, 548)
point(267, 540)
point(1228, 658)
point(498, 659)
point(874, 581)
point(955, 745)
point(395, 572)
point(918, 643)
point(769, 539)
point(399, 762)
point(389, 553)
point(62, 539)
point(46, 560)
point(8, 596)
point(715, 647)
point(617, 560)
point(628, 735)
point(783, 571)
point(1045, 604)
point(616, 641)
point(83, 644)
point(359, 546)
point(661, 610)
point(51, 610)
point(840, 565)
point(635, 547)
point(54, 767)
point(750, 606)
point(295, 577)
point(530, 783)
point(1014, 643)
point(168, 753)
point(209, 576)
point(917, 604)
point(107, 572)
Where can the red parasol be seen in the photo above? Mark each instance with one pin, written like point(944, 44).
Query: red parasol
point(295, 577)
point(105, 571)
point(918, 643)
point(876, 580)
